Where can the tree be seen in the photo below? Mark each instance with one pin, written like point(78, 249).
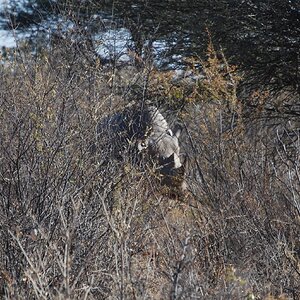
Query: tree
point(261, 37)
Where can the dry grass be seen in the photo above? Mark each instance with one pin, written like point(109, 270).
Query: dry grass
point(76, 227)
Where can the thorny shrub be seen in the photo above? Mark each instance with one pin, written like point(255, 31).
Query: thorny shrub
point(76, 226)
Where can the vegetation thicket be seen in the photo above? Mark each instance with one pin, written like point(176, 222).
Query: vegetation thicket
point(77, 222)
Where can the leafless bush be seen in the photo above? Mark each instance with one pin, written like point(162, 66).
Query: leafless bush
point(75, 226)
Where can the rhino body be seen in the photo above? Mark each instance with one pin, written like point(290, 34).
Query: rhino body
point(134, 131)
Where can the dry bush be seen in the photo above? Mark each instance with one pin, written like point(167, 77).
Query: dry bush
point(76, 226)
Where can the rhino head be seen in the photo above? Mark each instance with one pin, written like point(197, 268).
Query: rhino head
point(147, 129)
point(162, 143)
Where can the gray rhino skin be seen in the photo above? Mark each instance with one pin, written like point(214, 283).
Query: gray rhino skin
point(160, 140)
point(137, 130)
